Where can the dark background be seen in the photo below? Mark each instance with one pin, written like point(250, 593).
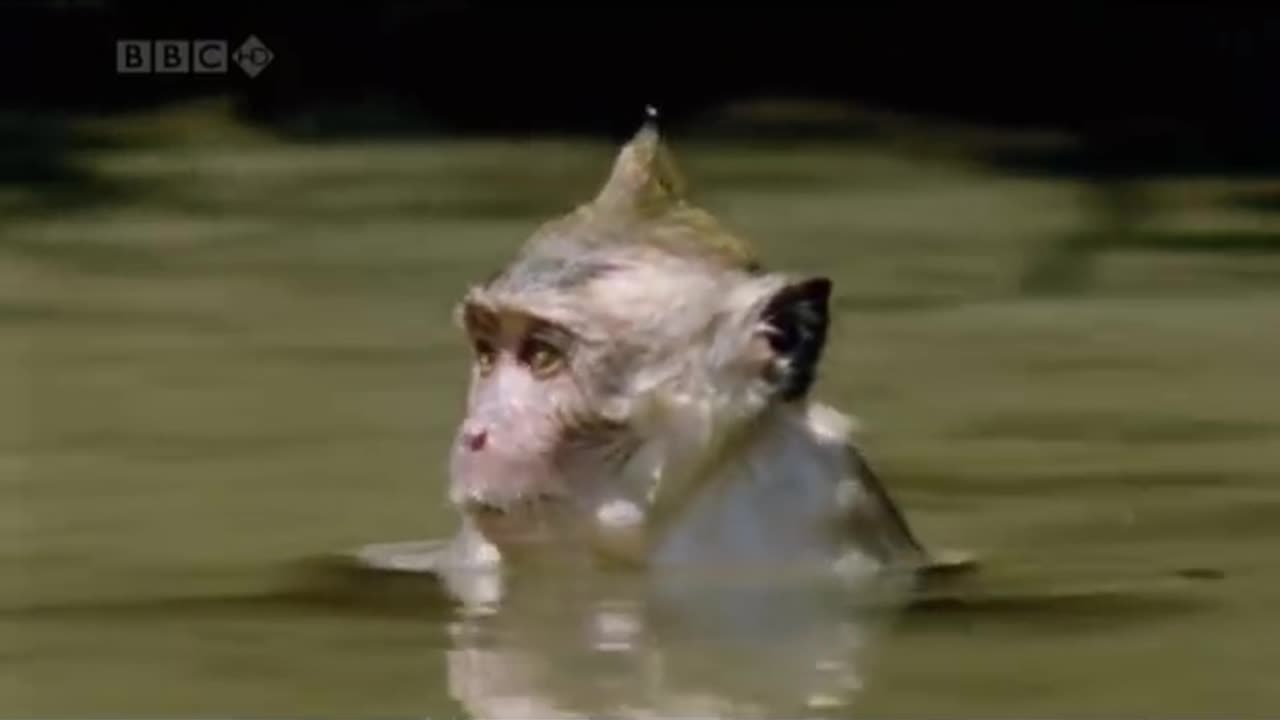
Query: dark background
point(1146, 85)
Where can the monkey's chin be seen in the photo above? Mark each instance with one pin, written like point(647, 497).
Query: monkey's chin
point(507, 500)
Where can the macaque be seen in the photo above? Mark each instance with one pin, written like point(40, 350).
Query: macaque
point(641, 397)
point(641, 394)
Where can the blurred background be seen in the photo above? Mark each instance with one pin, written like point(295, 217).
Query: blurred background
point(226, 343)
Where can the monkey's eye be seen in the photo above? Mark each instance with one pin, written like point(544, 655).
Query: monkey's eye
point(542, 357)
point(486, 355)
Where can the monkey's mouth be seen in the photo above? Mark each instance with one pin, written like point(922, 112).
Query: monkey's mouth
point(528, 518)
point(525, 504)
point(533, 508)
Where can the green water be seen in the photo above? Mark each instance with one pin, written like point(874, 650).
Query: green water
point(230, 358)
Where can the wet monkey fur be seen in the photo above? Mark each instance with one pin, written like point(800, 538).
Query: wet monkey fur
point(642, 392)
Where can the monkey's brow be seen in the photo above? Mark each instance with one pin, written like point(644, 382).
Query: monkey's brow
point(549, 330)
point(479, 317)
point(485, 319)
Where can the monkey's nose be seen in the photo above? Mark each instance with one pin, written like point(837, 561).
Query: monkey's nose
point(475, 439)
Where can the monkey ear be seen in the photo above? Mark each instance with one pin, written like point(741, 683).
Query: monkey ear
point(795, 321)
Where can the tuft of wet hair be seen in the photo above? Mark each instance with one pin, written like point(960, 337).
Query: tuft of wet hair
point(642, 204)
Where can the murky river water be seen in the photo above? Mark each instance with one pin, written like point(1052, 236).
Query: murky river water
point(243, 365)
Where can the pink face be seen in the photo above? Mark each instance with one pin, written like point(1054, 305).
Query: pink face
point(510, 445)
point(553, 415)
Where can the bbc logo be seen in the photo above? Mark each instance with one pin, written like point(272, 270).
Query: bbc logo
point(182, 57)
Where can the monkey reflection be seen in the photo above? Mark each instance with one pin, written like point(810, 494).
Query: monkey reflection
point(641, 395)
point(585, 645)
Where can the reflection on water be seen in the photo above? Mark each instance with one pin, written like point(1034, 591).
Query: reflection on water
point(558, 642)
point(588, 646)
point(561, 643)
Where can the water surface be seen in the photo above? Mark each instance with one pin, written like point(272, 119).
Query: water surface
point(239, 362)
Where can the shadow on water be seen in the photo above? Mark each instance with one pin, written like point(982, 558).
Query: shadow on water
point(1076, 605)
point(1259, 200)
point(1122, 207)
point(40, 156)
point(1117, 167)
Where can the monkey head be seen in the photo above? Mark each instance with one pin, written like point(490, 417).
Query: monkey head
point(621, 356)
